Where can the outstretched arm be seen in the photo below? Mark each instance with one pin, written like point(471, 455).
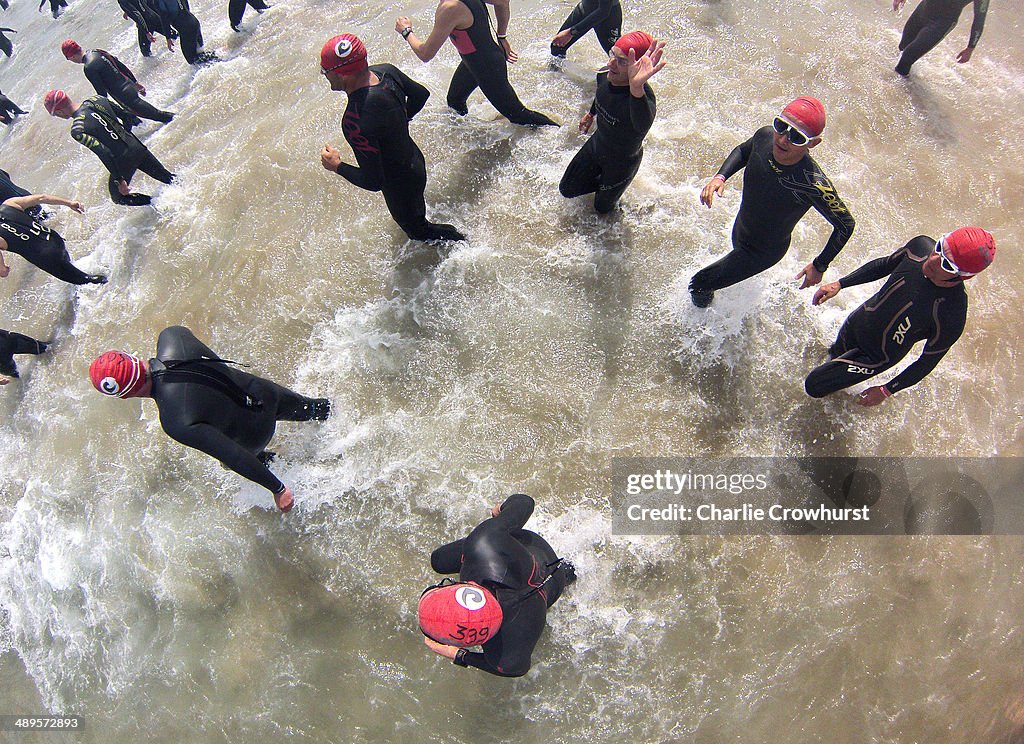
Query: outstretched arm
point(34, 200)
point(449, 14)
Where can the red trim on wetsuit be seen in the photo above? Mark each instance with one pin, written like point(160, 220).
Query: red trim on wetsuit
point(460, 38)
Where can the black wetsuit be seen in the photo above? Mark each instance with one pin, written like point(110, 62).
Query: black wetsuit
point(147, 21)
point(40, 246)
point(929, 24)
point(775, 198)
point(604, 16)
point(217, 409)
point(6, 45)
point(609, 160)
point(112, 78)
point(8, 110)
point(513, 564)
point(176, 16)
point(908, 308)
point(98, 124)
point(236, 9)
point(9, 189)
point(56, 7)
point(376, 126)
point(12, 343)
point(483, 65)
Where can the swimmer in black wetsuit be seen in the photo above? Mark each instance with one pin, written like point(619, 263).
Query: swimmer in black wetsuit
point(624, 106)
point(780, 184)
point(112, 78)
point(236, 9)
point(101, 126)
point(929, 24)
point(22, 234)
point(6, 45)
point(12, 343)
point(381, 101)
point(209, 405)
point(923, 300)
point(518, 568)
point(9, 109)
point(604, 16)
point(484, 62)
point(147, 23)
point(177, 19)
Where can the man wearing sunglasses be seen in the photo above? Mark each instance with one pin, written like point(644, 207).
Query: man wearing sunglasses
point(780, 184)
point(923, 300)
point(381, 102)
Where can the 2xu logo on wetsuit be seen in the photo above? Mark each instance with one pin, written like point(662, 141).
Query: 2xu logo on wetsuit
point(901, 331)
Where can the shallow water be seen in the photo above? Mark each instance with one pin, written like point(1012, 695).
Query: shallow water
point(160, 596)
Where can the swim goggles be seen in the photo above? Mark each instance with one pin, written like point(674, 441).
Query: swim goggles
point(795, 136)
point(945, 262)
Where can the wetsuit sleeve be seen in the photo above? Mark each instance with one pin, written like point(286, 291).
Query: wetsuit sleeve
point(948, 329)
point(416, 95)
point(642, 110)
point(448, 558)
point(591, 19)
point(874, 270)
point(218, 445)
point(737, 159)
point(366, 145)
point(515, 512)
point(510, 652)
point(980, 9)
point(832, 208)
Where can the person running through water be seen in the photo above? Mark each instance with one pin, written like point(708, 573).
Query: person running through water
point(484, 61)
point(39, 245)
point(924, 299)
point(9, 109)
point(177, 20)
point(624, 107)
point(12, 343)
point(782, 181)
point(112, 78)
point(99, 125)
point(603, 16)
point(930, 23)
point(508, 578)
point(207, 404)
point(381, 101)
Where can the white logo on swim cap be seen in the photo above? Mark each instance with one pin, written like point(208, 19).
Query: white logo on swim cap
point(470, 597)
point(343, 48)
point(109, 386)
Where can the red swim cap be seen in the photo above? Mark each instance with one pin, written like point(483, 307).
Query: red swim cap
point(118, 373)
point(54, 100)
point(972, 249)
point(343, 55)
point(70, 48)
point(463, 614)
point(807, 112)
point(638, 41)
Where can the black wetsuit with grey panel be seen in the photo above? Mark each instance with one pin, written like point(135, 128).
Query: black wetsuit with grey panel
point(376, 126)
point(908, 308)
point(775, 198)
point(39, 245)
point(931, 22)
point(524, 574)
point(215, 408)
point(484, 65)
point(608, 161)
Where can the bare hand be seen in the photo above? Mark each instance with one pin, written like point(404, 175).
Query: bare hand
point(496, 510)
point(77, 206)
point(402, 23)
point(639, 71)
point(141, 88)
point(586, 122)
point(330, 158)
point(871, 397)
point(149, 36)
point(4, 271)
point(440, 649)
point(3, 380)
point(965, 55)
point(714, 186)
point(285, 500)
point(510, 54)
point(810, 275)
point(897, 4)
point(825, 293)
point(123, 188)
point(562, 38)
point(170, 44)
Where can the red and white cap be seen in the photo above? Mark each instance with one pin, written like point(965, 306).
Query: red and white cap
point(343, 55)
point(55, 100)
point(463, 614)
point(119, 374)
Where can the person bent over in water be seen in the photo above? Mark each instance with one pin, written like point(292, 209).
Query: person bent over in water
point(26, 235)
point(781, 182)
point(381, 102)
point(12, 343)
point(923, 300)
point(112, 78)
point(105, 128)
point(508, 578)
point(207, 404)
point(624, 106)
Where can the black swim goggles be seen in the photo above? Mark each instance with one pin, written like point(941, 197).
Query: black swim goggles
point(793, 134)
point(442, 583)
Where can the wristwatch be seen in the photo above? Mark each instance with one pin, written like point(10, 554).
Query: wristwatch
point(406, 31)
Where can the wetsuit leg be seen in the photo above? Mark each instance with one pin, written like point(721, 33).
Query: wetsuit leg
point(448, 558)
point(145, 45)
point(583, 176)
point(12, 343)
point(574, 18)
point(56, 261)
point(615, 178)
point(462, 85)
point(154, 168)
point(236, 9)
point(288, 405)
point(404, 198)
point(544, 555)
point(141, 107)
point(5, 45)
point(132, 200)
point(841, 372)
point(190, 35)
point(492, 79)
point(739, 264)
point(923, 32)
